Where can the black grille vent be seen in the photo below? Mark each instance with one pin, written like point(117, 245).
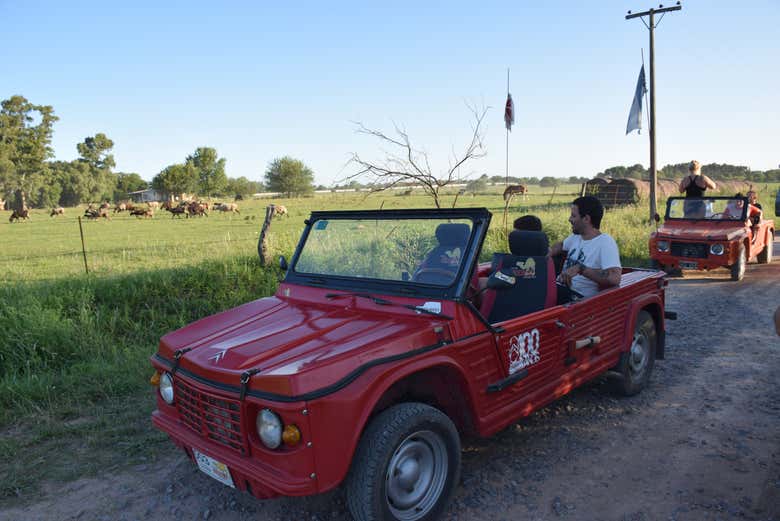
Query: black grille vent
point(692, 250)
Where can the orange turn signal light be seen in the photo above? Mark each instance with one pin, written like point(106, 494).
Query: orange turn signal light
point(155, 379)
point(291, 435)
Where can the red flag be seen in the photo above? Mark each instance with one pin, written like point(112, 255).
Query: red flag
point(509, 112)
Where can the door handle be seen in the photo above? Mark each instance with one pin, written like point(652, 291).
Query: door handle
point(587, 342)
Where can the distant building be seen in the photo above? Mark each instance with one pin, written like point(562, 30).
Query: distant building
point(144, 196)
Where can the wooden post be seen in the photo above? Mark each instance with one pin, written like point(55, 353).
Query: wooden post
point(83, 248)
point(262, 243)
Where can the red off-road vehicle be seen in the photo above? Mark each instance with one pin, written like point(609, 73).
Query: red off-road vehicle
point(376, 355)
point(712, 232)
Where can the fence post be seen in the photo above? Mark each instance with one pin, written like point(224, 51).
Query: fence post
point(83, 248)
point(262, 243)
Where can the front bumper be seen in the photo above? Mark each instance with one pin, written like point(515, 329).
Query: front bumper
point(250, 474)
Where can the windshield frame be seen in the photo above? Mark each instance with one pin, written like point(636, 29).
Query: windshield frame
point(670, 201)
point(480, 218)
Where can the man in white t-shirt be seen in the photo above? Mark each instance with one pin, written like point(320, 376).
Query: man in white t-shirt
point(593, 259)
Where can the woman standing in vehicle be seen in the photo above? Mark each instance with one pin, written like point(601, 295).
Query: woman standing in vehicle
point(694, 185)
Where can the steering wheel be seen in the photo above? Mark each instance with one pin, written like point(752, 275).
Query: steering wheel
point(719, 215)
point(439, 272)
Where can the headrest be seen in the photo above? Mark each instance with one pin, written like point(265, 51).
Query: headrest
point(452, 234)
point(526, 243)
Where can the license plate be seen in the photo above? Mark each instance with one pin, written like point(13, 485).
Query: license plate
point(213, 468)
point(689, 265)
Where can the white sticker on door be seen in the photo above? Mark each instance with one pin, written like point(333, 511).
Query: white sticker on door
point(523, 350)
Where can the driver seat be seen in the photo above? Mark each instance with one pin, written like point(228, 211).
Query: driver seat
point(534, 273)
point(446, 256)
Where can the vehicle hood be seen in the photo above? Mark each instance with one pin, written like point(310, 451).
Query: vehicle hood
point(290, 342)
point(697, 232)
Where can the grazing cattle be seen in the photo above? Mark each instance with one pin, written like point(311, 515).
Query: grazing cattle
point(57, 211)
point(229, 207)
point(92, 213)
point(142, 212)
point(178, 211)
point(198, 209)
point(216, 206)
point(19, 215)
point(121, 207)
point(514, 189)
point(280, 210)
point(153, 205)
point(104, 205)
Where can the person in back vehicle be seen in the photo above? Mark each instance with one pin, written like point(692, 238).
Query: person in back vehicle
point(593, 259)
point(694, 186)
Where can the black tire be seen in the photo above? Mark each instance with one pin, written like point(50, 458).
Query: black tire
point(636, 364)
point(738, 269)
point(406, 466)
point(765, 257)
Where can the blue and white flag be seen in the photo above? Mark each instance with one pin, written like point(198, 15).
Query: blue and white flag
point(635, 116)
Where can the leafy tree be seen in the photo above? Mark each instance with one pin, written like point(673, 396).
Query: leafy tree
point(25, 144)
point(75, 180)
point(549, 181)
point(209, 170)
point(242, 186)
point(289, 176)
point(96, 152)
point(176, 179)
point(478, 185)
point(126, 183)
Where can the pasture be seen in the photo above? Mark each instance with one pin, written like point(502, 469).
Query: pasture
point(74, 348)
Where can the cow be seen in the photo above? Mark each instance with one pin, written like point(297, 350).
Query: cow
point(229, 207)
point(19, 215)
point(57, 211)
point(511, 190)
point(196, 208)
point(142, 212)
point(280, 210)
point(96, 213)
point(153, 205)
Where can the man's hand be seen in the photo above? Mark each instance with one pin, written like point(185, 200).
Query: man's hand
point(569, 273)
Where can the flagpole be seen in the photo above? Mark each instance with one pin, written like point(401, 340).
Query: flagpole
point(506, 180)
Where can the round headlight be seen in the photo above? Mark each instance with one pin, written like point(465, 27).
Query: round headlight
point(166, 388)
point(663, 245)
point(269, 428)
point(716, 249)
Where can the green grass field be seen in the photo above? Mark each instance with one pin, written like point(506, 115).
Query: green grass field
point(74, 348)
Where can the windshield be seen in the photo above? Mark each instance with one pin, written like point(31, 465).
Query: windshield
point(424, 250)
point(715, 208)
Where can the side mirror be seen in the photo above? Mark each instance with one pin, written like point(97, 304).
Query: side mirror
point(500, 281)
point(282, 263)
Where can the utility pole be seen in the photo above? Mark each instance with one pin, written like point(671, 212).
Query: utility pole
point(651, 13)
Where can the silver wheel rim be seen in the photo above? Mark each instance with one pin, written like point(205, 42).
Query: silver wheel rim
point(638, 355)
point(416, 475)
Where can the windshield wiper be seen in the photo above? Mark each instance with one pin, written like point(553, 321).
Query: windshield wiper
point(384, 302)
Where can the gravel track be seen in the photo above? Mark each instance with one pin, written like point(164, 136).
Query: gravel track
point(702, 442)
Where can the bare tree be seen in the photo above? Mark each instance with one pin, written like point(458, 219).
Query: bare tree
point(404, 163)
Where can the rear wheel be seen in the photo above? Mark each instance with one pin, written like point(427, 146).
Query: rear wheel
point(765, 257)
point(636, 365)
point(738, 269)
point(406, 466)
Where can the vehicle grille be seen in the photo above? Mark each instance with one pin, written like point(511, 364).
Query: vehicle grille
point(213, 417)
point(689, 249)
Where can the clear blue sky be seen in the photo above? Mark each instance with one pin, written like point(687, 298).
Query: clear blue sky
point(258, 81)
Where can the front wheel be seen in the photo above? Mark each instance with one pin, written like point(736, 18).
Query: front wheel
point(765, 257)
point(406, 466)
point(636, 365)
point(738, 269)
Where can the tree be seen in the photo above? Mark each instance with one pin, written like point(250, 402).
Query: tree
point(549, 181)
point(176, 179)
point(410, 165)
point(126, 183)
point(75, 180)
point(289, 176)
point(209, 170)
point(241, 187)
point(25, 144)
point(96, 152)
point(478, 185)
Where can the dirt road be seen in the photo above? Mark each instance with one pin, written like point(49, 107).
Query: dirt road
point(701, 443)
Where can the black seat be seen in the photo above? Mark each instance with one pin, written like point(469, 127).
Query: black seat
point(533, 273)
point(441, 264)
